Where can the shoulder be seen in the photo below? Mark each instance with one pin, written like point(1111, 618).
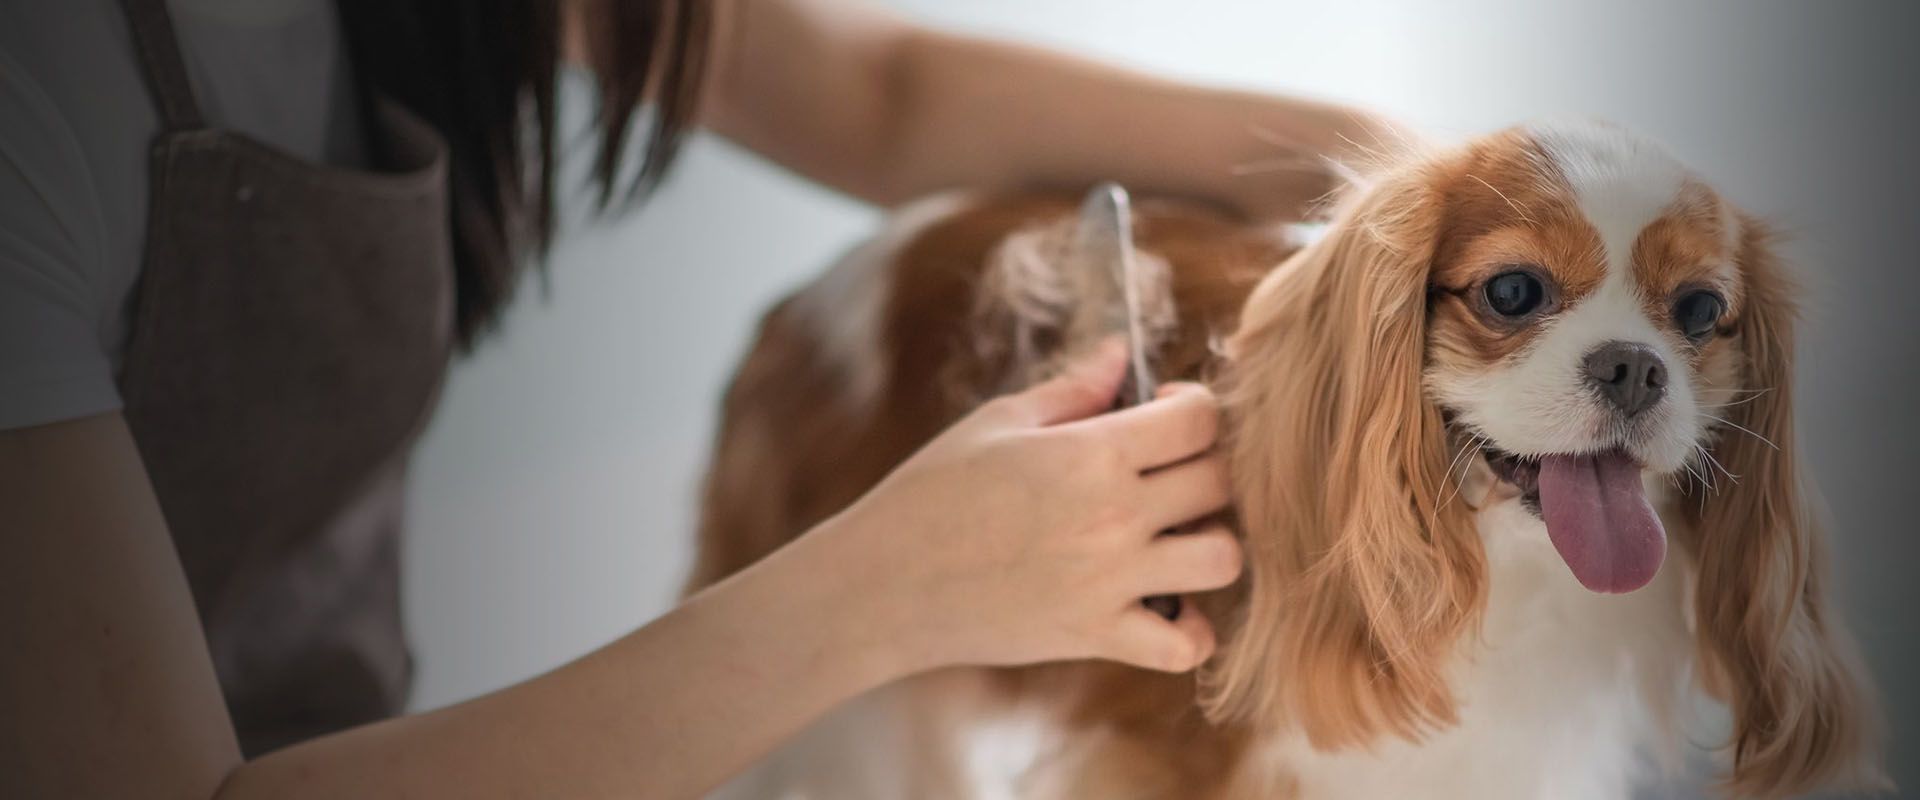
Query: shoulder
point(74, 122)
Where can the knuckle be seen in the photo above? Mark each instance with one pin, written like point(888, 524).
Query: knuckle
point(1061, 452)
point(1203, 415)
point(1101, 456)
point(1000, 408)
point(1195, 425)
point(1117, 523)
point(1086, 389)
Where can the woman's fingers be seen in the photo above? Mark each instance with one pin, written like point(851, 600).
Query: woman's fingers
point(1087, 387)
point(1183, 421)
point(1145, 639)
point(1180, 494)
point(1194, 562)
point(1201, 561)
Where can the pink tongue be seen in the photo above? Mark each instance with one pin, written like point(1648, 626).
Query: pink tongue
point(1598, 518)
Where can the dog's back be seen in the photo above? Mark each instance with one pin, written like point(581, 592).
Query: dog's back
point(853, 372)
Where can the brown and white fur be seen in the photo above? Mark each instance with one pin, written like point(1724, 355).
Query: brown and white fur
point(1405, 627)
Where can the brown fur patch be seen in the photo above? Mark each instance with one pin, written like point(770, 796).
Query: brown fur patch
point(796, 445)
point(1686, 248)
point(1505, 208)
point(1772, 647)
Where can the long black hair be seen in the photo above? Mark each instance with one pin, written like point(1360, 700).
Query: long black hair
point(483, 72)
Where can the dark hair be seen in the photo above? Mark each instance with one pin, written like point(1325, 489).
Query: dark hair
point(482, 72)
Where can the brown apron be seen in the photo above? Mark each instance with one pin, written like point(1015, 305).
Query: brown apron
point(291, 328)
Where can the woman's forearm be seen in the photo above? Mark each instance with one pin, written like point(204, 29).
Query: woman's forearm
point(1026, 532)
point(977, 111)
point(668, 711)
point(858, 99)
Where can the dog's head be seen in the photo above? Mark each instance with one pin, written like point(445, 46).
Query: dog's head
point(1572, 316)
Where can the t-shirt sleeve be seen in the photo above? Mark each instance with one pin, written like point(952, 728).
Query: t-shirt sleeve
point(54, 364)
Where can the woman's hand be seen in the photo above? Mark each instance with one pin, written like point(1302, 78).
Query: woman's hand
point(1027, 531)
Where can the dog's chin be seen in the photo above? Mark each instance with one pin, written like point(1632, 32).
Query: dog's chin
point(1595, 510)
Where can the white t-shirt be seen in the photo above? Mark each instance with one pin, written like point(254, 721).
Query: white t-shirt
point(76, 124)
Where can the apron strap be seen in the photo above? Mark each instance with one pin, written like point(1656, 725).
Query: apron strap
point(166, 72)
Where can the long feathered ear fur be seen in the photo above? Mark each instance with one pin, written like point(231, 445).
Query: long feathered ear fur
point(1360, 577)
point(1772, 646)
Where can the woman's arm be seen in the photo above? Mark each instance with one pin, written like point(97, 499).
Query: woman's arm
point(887, 111)
point(107, 689)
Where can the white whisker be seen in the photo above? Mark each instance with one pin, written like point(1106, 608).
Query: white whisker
point(1757, 394)
point(1703, 475)
point(1738, 427)
point(1477, 444)
point(1704, 483)
point(1717, 465)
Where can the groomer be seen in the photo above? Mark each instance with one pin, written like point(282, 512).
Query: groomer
point(241, 240)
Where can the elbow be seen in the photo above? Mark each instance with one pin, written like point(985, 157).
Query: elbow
point(242, 781)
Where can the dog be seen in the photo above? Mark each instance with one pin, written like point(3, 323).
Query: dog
point(1465, 419)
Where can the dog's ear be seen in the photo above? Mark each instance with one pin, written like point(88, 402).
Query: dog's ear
point(1773, 647)
point(1360, 577)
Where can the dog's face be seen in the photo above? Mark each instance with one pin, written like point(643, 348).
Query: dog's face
point(1582, 317)
point(1580, 297)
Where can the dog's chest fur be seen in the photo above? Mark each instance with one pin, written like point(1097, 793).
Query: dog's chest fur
point(1564, 693)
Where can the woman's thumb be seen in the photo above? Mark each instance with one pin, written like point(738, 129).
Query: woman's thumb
point(1085, 388)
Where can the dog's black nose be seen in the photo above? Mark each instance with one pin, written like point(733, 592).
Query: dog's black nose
point(1630, 376)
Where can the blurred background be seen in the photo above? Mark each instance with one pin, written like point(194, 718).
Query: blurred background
point(553, 502)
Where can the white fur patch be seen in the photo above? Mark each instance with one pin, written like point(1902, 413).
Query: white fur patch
point(845, 305)
point(1564, 693)
point(1622, 182)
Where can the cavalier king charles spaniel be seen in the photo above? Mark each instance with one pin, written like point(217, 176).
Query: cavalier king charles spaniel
point(1513, 455)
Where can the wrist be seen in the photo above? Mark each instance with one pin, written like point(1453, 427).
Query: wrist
point(841, 590)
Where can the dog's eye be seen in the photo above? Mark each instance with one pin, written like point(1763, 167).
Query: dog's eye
point(1696, 313)
point(1515, 294)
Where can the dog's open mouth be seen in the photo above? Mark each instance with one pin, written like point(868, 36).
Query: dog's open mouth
point(1596, 512)
point(1520, 472)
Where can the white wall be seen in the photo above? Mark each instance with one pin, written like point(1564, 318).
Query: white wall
point(553, 497)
